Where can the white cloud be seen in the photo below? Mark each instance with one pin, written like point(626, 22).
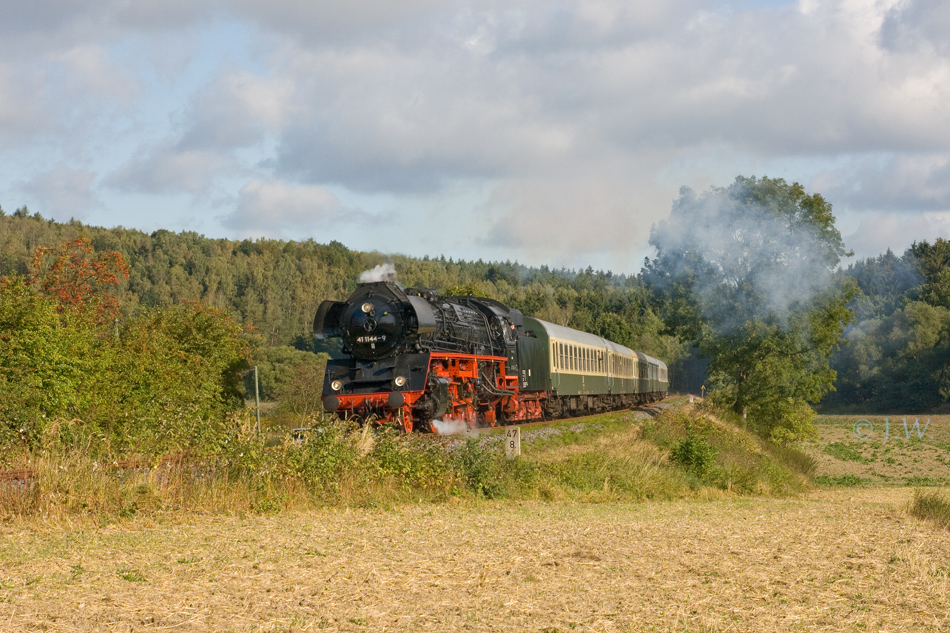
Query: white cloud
point(913, 24)
point(63, 192)
point(279, 209)
point(914, 182)
point(88, 69)
point(557, 115)
point(335, 22)
point(897, 231)
point(169, 169)
point(21, 113)
point(236, 110)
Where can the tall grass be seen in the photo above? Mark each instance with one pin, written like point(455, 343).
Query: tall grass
point(721, 455)
point(932, 506)
point(335, 464)
point(680, 453)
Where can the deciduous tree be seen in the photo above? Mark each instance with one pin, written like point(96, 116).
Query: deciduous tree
point(746, 272)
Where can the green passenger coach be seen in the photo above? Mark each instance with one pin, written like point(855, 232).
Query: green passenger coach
point(585, 372)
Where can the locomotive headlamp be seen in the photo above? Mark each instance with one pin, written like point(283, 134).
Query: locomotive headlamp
point(336, 385)
point(400, 381)
point(367, 307)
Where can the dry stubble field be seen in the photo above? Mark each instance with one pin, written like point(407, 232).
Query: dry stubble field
point(883, 450)
point(833, 560)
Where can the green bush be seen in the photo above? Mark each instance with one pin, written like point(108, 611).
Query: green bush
point(416, 462)
point(479, 467)
point(695, 454)
point(165, 382)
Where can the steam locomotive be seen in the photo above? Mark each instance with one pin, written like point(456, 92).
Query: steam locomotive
point(414, 357)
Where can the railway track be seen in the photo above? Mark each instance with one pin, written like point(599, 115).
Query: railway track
point(652, 410)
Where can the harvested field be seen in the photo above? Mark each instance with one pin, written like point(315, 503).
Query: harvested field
point(893, 450)
point(833, 560)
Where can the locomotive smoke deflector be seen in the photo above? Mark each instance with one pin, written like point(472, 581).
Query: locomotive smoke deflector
point(326, 323)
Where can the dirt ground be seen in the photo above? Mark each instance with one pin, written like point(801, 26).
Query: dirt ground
point(833, 560)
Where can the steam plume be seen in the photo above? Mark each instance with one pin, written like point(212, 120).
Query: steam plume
point(450, 426)
point(741, 257)
point(383, 272)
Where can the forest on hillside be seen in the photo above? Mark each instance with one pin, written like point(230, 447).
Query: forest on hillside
point(275, 286)
point(897, 353)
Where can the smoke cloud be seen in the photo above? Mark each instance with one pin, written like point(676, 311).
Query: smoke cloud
point(744, 255)
point(383, 272)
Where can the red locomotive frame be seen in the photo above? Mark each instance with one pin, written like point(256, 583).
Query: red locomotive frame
point(463, 373)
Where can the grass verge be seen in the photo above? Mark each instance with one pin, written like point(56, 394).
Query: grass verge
point(617, 457)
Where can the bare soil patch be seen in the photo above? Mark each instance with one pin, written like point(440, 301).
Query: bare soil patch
point(833, 560)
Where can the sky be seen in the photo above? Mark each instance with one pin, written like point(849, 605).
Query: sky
point(543, 131)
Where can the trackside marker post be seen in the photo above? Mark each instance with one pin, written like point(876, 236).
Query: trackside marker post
point(512, 442)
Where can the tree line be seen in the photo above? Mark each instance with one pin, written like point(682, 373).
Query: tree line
point(275, 286)
point(898, 354)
